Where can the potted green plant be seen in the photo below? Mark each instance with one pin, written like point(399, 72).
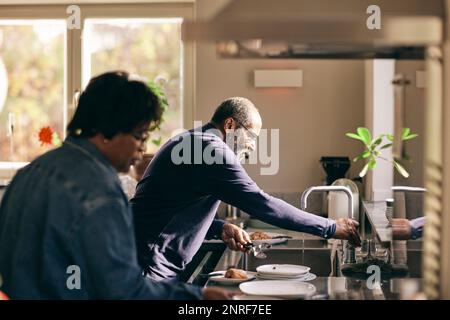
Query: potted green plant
point(140, 167)
point(373, 148)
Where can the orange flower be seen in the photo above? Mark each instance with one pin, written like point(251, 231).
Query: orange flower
point(3, 296)
point(46, 136)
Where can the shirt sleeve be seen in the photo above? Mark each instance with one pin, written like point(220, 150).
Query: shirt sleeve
point(108, 242)
point(215, 231)
point(417, 227)
point(230, 183)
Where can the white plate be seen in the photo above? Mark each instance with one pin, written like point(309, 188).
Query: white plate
point(283, 269)
point(230, 281)
point(270, 241)
point(306, 277)
point(251, 297)
point(281, 276)
point(278, 288)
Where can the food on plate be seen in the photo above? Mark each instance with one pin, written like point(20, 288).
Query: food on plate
point(233, 273)
point(259, 235)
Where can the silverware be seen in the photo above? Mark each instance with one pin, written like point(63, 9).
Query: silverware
point(212, 274)
point(257, 250)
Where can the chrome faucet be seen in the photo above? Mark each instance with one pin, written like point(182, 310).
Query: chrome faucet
point(307, 192)
point(350, 254)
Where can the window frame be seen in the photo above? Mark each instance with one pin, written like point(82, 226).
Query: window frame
point(73, 50)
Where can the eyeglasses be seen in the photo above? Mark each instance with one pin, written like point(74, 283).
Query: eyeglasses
point(253, 136)
point(141, 136)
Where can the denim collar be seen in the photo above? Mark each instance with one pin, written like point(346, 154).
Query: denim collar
point(90, 150)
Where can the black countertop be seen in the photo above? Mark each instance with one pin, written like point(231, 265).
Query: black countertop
point(332, 288)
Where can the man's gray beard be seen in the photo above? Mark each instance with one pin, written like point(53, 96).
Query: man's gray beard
point(242, 155)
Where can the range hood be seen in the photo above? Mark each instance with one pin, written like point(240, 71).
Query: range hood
point(286, 29)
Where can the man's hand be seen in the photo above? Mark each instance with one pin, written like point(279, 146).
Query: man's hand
point(234, 237)
point(347, 229)
point(213, 293)
point(401, 229)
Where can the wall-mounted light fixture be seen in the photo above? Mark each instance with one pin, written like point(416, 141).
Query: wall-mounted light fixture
point(287, 78)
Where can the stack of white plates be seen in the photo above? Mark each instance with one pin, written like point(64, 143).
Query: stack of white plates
point(278, 289)
point(284, 272)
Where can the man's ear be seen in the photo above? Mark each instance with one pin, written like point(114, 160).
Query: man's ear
point(228, 124)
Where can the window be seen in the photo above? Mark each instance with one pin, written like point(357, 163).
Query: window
point(31, 85)
point(148, 47)
point(43, 64)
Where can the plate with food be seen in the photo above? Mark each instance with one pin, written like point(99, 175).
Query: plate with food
point(232, 276)
point(258, 237)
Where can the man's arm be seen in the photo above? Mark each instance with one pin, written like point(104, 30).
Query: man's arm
point(417, 227)
point(215, 231)
point(230, 183)
point(108, 242)
point(404, 229)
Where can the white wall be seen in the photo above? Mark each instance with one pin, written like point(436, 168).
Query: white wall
point(379, 94)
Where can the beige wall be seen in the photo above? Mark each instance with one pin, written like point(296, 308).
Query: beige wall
point(312, 119)
point(414, 119)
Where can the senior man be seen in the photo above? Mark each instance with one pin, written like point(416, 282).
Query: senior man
point(176, 201)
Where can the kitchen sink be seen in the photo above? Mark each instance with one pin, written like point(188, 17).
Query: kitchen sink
point(317, 255)
point(314, 253)
point(318, 259)
point(302, 243)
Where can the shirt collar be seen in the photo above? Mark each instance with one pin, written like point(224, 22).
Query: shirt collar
point(87, 147)
point(211, 128)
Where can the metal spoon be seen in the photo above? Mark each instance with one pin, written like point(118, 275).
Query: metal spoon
point(258, 250)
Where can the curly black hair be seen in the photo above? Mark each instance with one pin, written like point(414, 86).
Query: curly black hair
point(115, 102)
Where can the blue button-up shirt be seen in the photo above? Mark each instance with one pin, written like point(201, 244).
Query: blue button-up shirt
point(176, 201)
point(65, 216)
point(417, 227)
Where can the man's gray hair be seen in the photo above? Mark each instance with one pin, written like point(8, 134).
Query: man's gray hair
point(237, 108)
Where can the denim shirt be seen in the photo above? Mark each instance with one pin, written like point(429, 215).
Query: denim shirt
point(66, 232)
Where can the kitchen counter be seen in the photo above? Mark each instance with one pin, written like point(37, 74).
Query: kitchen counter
point(333, 287)
point(341, 288)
